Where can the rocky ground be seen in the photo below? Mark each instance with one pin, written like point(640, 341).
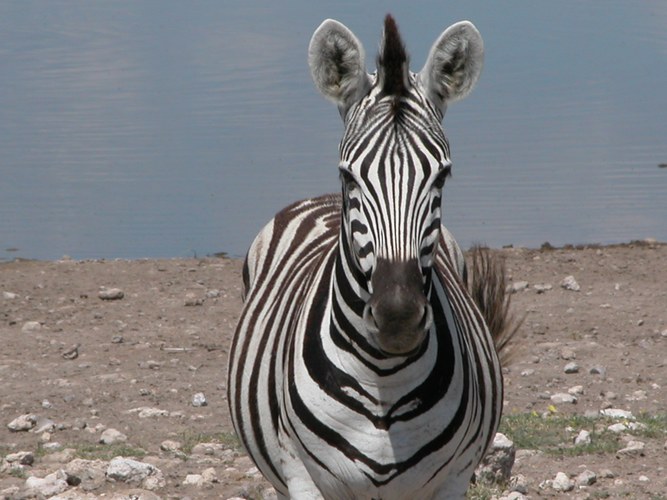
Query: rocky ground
point(112, 375)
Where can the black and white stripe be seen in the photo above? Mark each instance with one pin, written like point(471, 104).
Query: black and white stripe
point(361, 367)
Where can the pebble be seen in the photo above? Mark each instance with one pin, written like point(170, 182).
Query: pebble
point(598, 370)
point(199, 399)
point(518, 286)
point(111, 436)
point(527, 372)
point(562, 483)
point(569, 283)
point(567, 353)
point(586, 478)
point(542, 287)
point(9, 295)
point(192, 300)
point(132, 471)
point(147, 412)
point(171, 446)
point(88, 475)
point(576, 390)
point(617, 413)
point(571, 367)
point(31, 326)
point(23, 423)
point(49, 485)
point(111, 294)
point(632, 448)
point(583, 438)
point(21, 457)
point(563, 398)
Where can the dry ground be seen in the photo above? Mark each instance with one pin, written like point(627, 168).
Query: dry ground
point(168, 338)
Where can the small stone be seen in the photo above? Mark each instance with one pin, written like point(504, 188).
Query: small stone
point(562, 483)
point(563, 398)
point(209, 475)
point(541, 288)
point(111, 436)
point(569, 283)
point(49, 485)
point(527, 372)
point(87, 475)
point(567, 353)
point(31, 326)
point(193, 480)
point(117, 339)
point(632, 448)
point(571, 367)
point(43, 424)
point(617, 413)
point(663, 333)
point(607, 474)
point(583, 438)
point(192, 300)
point(617, 428)
point(23, 423)
point(598, 370)
point(199, 400)
point(496, 467)
point(21, 457)
point(586, 478)
point(132, 471)
point(111, 294)
point(213, 294)
point(171, 446)
point(643, 479)
point(9, 295)
point(518, 286)
point(576, 390)
point(72, 352)
point(46, 404)
point(147, 412)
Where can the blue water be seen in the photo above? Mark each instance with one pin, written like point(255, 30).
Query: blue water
point(167, 129)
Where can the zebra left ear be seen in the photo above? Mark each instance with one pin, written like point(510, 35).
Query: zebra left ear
point(336, 58)
point(454, 64)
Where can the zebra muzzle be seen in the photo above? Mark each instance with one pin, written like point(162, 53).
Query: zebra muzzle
point(398, 314)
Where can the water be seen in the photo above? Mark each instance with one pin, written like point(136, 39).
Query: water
point(168, 129)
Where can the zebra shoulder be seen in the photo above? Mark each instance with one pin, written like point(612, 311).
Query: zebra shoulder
point(310, 223)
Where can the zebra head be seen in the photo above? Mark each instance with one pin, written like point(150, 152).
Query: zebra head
point(394, 159)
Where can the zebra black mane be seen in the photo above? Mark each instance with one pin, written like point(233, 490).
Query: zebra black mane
point(392, 62)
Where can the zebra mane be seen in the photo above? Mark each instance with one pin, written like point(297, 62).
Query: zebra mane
point(392, 62)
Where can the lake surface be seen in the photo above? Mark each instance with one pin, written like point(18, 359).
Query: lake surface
point(167, 129)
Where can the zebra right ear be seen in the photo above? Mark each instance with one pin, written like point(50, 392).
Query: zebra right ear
point(336, 59)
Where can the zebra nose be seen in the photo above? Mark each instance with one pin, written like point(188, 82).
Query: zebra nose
point(398, 314)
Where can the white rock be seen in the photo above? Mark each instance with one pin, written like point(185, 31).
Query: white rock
point(583, 438)
point(518, 286)
point(111, 294)
point(618, 428)
point(633, 448)
point(169, 445)
point(542, 287)
point(23, 423)
point(9, 295)
point(497, 464)
point(643, 479)
point(111, 436)
point(31, 326)
point(617, 413)
point(132, 471)
point(569, 283)
point(209, 475)
point(193, 480)
point(576, 390)
point(49, 485)
point(571, 367)
point(586, 478)
point(88, 475)
point(21, 457)
point(199, 399)
point(148, 412)
point(563, 398)
point(562, 483)
point(527, 372)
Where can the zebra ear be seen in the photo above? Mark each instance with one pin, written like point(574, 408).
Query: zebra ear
point(454, 64)
point(336, 58)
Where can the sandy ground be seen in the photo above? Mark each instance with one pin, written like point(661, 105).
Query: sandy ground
point(82, 364)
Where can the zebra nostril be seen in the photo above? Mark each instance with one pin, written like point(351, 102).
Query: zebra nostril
point(369, 318)
point(427, 318)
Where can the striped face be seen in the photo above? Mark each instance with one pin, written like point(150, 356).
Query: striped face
point(394, 162)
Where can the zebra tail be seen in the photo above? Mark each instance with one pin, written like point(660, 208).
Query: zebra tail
point(487, 283)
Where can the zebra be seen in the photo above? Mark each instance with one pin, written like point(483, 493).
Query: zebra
point(361, 367)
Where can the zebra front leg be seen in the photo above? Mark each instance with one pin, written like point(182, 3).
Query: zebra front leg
point(299, 483)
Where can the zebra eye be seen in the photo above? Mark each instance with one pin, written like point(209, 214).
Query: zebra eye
point(347, 178)
point(440, 179)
